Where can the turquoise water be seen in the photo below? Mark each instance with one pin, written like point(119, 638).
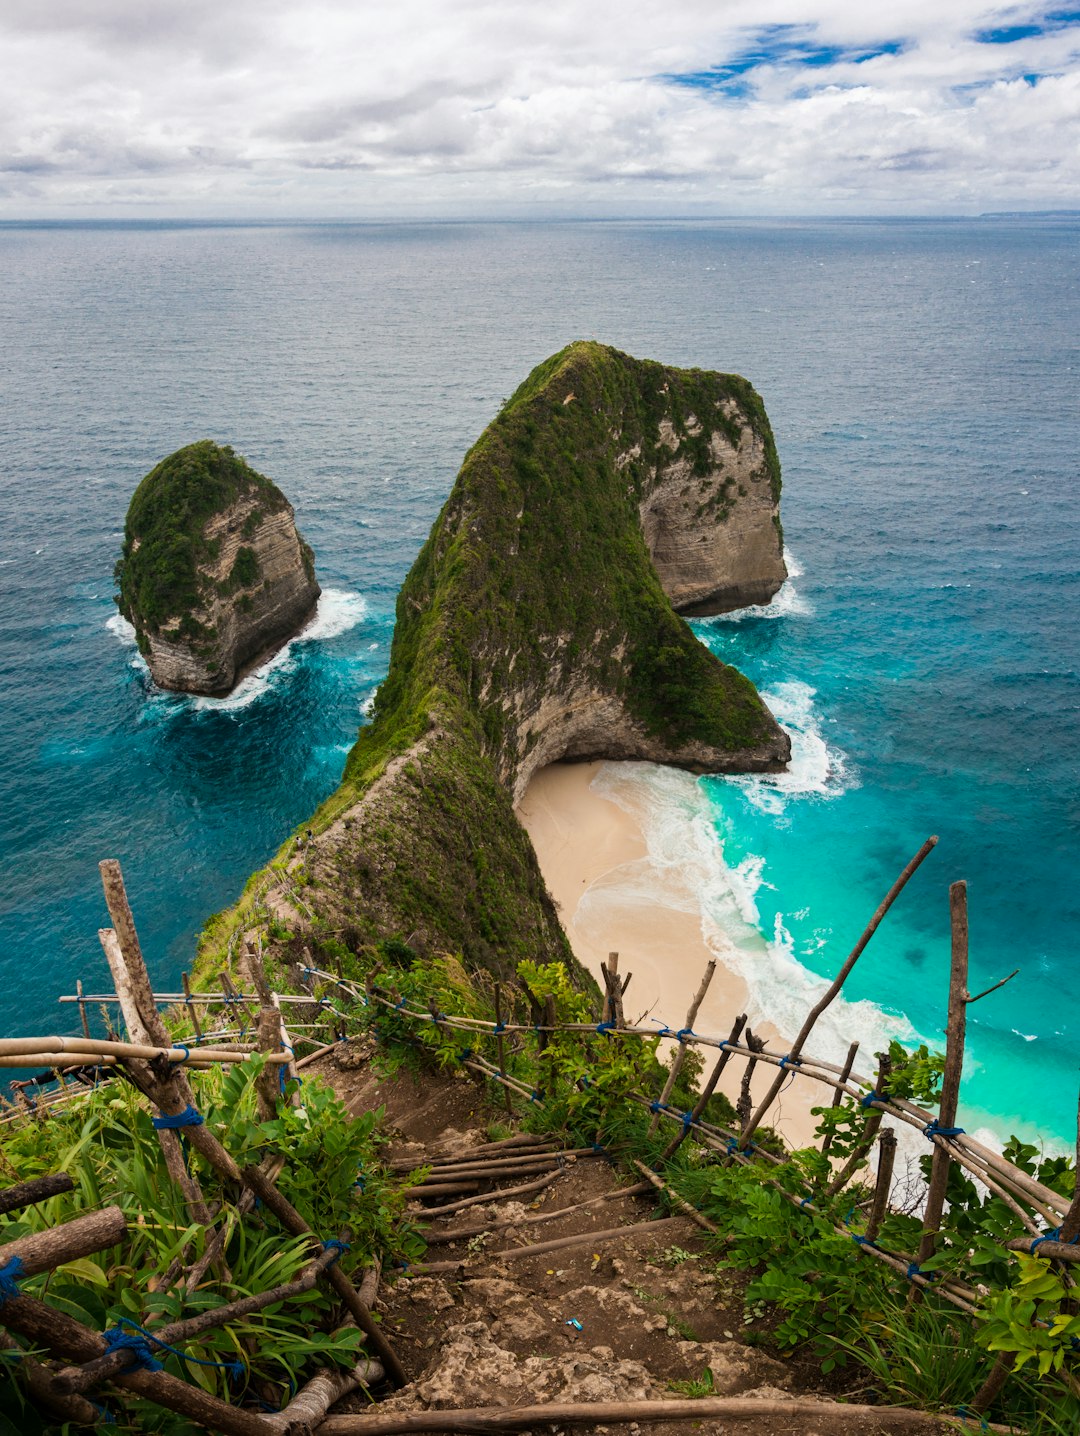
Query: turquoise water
point(922, 381)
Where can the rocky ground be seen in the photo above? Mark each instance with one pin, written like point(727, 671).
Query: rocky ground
point(639, 1316)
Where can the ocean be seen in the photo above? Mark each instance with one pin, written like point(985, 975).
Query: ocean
point(921, 378)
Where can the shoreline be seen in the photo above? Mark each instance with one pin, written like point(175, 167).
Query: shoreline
point(589, 849)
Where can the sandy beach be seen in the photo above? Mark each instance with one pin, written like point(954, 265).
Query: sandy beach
point(596, 865)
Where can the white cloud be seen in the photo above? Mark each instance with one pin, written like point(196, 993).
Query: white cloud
point(277, 107)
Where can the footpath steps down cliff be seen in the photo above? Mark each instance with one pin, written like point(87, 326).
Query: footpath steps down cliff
point(640, 1316)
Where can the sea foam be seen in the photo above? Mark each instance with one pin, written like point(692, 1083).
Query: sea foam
point(787, 602)
point(337, 612)
point(685, 869)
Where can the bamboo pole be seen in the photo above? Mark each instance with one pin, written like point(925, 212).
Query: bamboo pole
point(955, 1032)
point(833, 991)
point(680, 1050)
point(595, 1414)
point(89, 1049)
point(294, 1223)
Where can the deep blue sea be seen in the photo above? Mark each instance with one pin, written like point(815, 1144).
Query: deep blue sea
point(922, 380)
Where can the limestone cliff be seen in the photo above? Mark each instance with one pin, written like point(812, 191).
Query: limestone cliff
point(533, 626)
point(213, 575)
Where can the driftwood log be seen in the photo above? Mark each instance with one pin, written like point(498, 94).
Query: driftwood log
point(44, 1251)
point(25, 1194)
point(311, 1403)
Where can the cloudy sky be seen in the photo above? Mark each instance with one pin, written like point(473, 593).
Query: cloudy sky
point(462, 107)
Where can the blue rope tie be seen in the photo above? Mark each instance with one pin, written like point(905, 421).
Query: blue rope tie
point(1053, 1235)
point(683, 1033)
point(870, 1098)
point(438, 1017)
point(138, 1341)
point(187, 1055)
point(187, 1118)
point(399, 1005)
point(935, 1129)
point(465, 1054)
point(656, 1106)
point(914, 1270)
point(687, 1119)
point(790, 1061)
point(117, 1339)
point(333, 1245)
point(861, 1240)
point(535, 1097)
point(807, 1202)
point(11, 1273)
point(499, 1029)
point(966, 1415)
point(106, 1416)
point(733, 1147)
point(603, 1027)
point(665, 1030)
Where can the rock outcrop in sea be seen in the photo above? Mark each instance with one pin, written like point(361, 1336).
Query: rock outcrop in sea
point(537, 624)
point(213, 575)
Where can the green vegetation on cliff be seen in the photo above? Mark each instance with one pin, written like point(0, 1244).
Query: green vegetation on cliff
point(531, 626)
point(157, 573)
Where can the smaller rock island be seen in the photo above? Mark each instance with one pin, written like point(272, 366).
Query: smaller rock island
point(213, 575)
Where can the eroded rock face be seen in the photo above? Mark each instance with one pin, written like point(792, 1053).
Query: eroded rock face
point(214, 575)
point(715, 538)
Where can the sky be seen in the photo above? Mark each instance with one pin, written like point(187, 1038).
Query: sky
point(274, 109)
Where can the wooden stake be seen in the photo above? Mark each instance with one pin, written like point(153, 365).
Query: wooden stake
point(707, 1091)
point(500, 1046)
point(150, 1030)
point(869, 1132)
point(838, 1093)
point(886, 1158)
point(82, 1009)
point(268, 1037)
point(833, 990)
point(680, 1050)
point(192, 1009)
point(955, 1033)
